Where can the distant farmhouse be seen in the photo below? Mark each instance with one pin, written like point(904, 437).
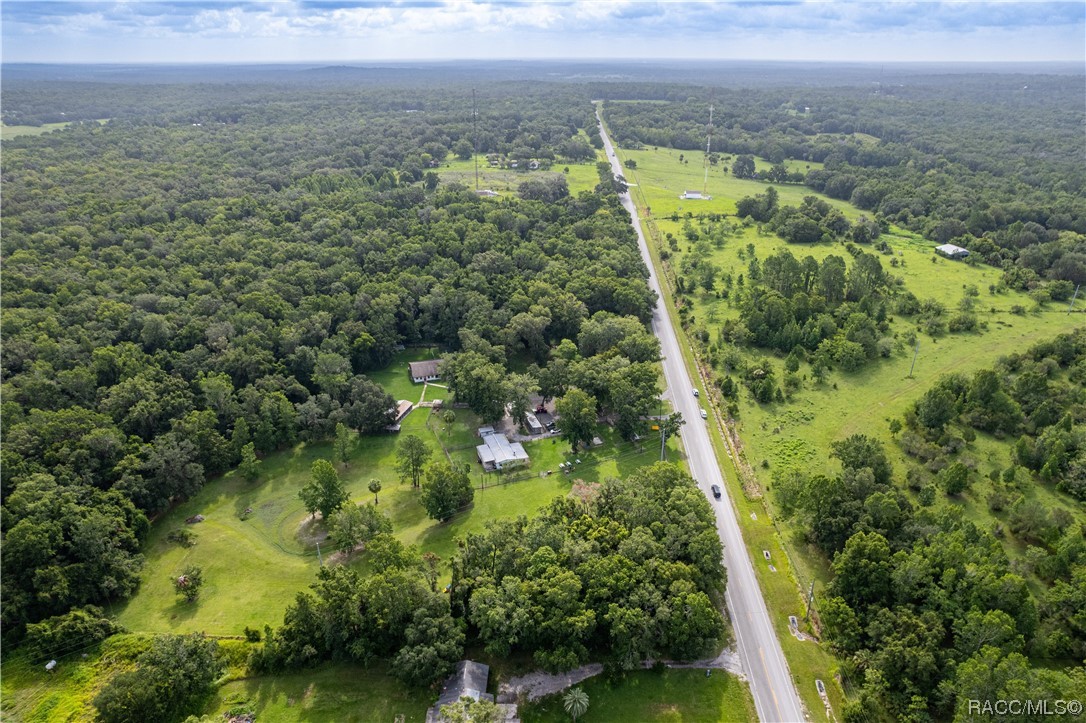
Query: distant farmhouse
point(486, 193)
point(424, 371)
point(695, 196)
point(497, 452)
point(951, 251)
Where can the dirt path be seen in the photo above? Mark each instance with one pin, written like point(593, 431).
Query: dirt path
point(539, 684)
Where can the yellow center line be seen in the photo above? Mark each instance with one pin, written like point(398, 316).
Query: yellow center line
point(776, 705)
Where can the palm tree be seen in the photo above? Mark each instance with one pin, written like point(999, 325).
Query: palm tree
point(575, 703)
point(375, 487)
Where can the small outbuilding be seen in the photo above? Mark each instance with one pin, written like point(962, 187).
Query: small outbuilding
point(403, 408)
point(424, 371)
point(534, 425)
point(695, 196)
point(951, 251)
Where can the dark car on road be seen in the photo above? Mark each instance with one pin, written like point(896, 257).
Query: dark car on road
point(716, 491)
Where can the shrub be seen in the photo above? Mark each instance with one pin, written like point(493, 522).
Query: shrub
point(65, 633)
point(183, 537)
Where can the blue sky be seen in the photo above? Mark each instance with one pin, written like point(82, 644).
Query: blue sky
point(316, 30)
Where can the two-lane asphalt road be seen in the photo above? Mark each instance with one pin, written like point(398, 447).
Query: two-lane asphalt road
point(763, 660)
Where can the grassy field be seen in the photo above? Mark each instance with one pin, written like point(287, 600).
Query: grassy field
point(8, 132)
point(672, 695)
point(581, 176)
point(798, 433)
point(254, 564)
point(346, 693)
point(394, 378)
point(661, 178)
point(32, 695)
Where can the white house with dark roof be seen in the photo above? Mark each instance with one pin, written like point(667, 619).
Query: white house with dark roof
point(424, 371)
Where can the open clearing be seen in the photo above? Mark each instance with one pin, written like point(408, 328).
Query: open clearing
point(671, 695)
point(8, 132)
point(255, 564)
point(347, 693)
point(581, 176)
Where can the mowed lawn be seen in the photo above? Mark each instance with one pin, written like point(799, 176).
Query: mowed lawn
point(581, 176)
point(645, 696)
point(341, 693)
point(660, 178)
point(255, 562)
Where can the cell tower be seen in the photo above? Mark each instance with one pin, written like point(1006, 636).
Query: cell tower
point(475, 137)
point(708, 145)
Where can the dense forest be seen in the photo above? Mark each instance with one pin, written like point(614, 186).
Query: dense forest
point(211, 274)
point(179, 285)
point(991, 163)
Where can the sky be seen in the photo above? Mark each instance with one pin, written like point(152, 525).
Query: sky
point(206, 31)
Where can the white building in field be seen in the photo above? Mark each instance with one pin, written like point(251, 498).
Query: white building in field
point(424, 371)
point(951, 251)
point(695, 196)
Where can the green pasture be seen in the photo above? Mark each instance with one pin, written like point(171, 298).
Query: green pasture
point(255, 563)
point(342, 693)
point(798, 433)
point(395, 378)
point(581, 176)
point(8, 132)
point(30, 694)
point(661, 178)
point(673, 695)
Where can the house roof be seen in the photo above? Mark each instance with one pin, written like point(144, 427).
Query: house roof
point(422, 369)
point(469, 679)
point(498, 449)
point(952, 250)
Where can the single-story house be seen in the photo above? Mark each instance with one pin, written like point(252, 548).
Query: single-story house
point(424, 371)
point(497, 452)
point(486, 192)
point(469, 681)
point(403, 408)
point(533, 424)
point(951, 251)
point(533, 165)
point(695, 196)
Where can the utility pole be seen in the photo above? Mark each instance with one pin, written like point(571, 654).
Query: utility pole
point(810, 599)
point(708, 145)
point(1073, 297)
point(913, 365)
point(475, 137)
point(663, 438)
point(319, 559)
